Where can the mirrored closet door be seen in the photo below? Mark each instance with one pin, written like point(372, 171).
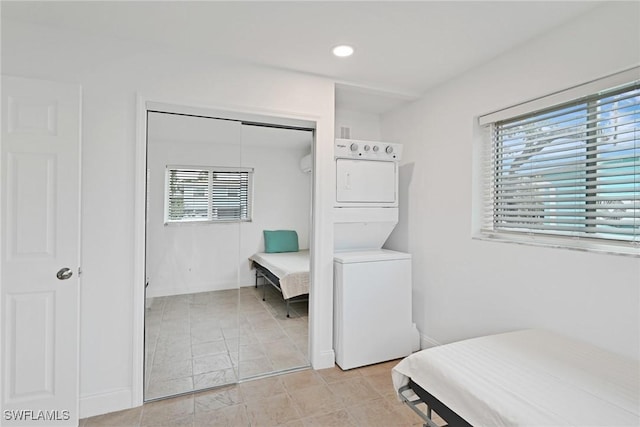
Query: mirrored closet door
point(223, 304)
point(197, 199)
point(274, 266)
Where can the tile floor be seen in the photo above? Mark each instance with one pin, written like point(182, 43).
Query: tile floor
point(208, 339)
point(324, 398)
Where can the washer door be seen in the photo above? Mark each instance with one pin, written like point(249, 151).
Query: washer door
point(366, 182)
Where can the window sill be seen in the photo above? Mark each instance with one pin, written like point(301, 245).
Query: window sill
point(624, 249)
point(204, 222)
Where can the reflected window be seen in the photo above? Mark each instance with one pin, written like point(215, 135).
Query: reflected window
point(208, 194)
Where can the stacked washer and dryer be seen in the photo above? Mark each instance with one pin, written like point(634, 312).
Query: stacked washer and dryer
point(372, 286)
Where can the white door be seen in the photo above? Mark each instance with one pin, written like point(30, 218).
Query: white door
point(39, 255)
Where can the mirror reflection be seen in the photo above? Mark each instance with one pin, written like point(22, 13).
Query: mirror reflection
point(274, 273)
point(218, 309)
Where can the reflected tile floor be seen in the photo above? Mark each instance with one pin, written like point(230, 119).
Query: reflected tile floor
point(203, 340)
point(328, 397)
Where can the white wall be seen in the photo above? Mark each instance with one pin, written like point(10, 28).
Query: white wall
point(112, 73)
point(199, 257)
point(364, 126)
point(464, 287)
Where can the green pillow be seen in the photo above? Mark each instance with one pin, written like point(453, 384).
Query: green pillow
point(280, 241)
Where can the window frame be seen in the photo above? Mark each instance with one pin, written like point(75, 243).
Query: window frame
point(209, 195)
point(556, 101)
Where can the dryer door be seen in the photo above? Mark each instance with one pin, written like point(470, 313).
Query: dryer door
point(366, 183)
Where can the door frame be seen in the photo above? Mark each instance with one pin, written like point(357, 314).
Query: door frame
point(320, 312)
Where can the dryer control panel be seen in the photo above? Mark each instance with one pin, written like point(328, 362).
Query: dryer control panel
point(367, 150)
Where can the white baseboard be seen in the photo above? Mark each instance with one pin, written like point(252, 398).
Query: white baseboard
point(326, 359)
point(103, 403)
point(428, 342)
point(193, 288)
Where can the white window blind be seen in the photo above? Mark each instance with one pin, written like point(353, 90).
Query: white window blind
point(208, 194)
point(568, 170)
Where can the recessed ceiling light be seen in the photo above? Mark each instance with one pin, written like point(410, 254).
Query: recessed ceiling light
point(343, 51)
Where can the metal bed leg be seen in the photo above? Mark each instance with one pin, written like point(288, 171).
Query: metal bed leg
point(264, 290)
point(412, 404)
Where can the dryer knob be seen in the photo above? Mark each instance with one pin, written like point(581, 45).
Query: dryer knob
point(354, 147)
point(376, 148)
point(367, 148)
point(389, 149)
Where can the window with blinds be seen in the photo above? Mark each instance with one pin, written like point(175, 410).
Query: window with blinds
point(570, 170)
point(208, 194)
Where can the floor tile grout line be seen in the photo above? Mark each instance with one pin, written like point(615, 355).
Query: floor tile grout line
point(271, 310)
point(153, 353)
point(302, 416)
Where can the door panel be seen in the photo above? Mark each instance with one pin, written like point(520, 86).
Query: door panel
point(35, 117)
point(31, 324)
point(40, 224)
point(31, 195)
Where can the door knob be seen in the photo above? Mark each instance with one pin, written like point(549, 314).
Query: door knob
point(64, 273)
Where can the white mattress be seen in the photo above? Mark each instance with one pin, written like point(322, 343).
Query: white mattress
point(291, 268)
point(528, 378)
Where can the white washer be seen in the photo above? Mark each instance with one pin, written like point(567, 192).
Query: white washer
point(372, 307)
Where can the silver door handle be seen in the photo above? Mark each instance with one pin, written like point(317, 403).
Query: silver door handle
point(64, 273)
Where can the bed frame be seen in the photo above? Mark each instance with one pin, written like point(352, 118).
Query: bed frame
point(520, 378)
point(433, 404)
point(272, 279)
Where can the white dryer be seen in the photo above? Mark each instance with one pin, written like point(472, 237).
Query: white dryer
point(366, 173)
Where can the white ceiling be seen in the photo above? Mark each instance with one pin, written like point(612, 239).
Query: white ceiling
point(402, 48)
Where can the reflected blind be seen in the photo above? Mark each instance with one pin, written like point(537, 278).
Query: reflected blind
point(208, 194)
point(571, 170)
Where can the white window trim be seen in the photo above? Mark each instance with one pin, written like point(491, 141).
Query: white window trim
point(561, 242)
point(201, 221)
point(561, 97)
point(602, 247)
